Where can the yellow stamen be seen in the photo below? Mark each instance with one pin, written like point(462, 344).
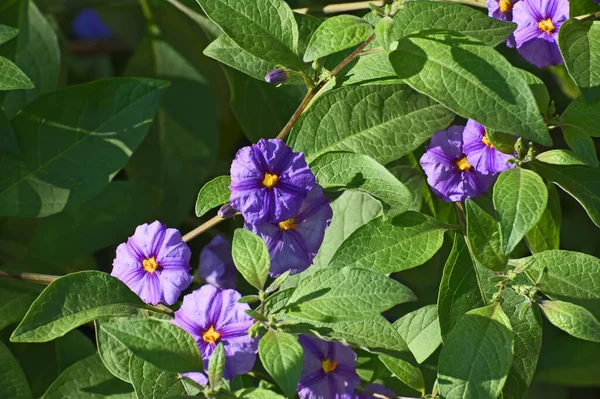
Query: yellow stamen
point(211, 336)
point(546, 25)
point(463, 164)
point(487, 141)
point(150, 265)
point(328, 365)
point(287, 224)
point(505, 6)
point(270, 180)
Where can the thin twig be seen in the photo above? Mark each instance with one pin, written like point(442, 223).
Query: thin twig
point(588, 17)
point(202, 228)
point(381, 396)
point(31, 277)
point(339, 8)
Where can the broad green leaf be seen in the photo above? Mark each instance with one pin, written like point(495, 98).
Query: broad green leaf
point(88, 379)
point(560, 157)
point(339, 294)
point(227, 52)
point(582, 182)
point(582, 117)
point(484, 336)
point(539, 90)
point(573, 319)
point(107, 219)
point(265, 28)
point(417, 16)
point(15, 299)
point(257, 393)
point(571, 276)
point(582, 145)
point(413, 179)
point(8, 140)
point(503, 142)
point(421, 331)
point(37, 55)
point(484, 238)
point(182, 144)
point(13, 383)
point(520, 197)
point(546, 233)
point(387, 246)
point(12, 78)
point(214, 193)
point(336, 170)
point(336, 34)
point(216, 366)
point(73, 300)
point(579, 44)
point(112, 352)
point(161, 343)
point(7, 33)
point(150, 382)
point(371, 69)
point(384, 122)
point(73, 141)
point(276, 302)
point(383, 32)
point(281, 355)
point(459, 288)
point(472, 80)
point(527, 330)
point(251, 257)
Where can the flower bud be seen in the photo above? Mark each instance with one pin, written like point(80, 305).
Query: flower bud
point(226, 211)
point(277, 76)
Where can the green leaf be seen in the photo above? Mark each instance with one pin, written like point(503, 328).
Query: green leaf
point(216, 366)
point(560, 157)
point(12, 78)
point(73, 300)
point(483, 336)
point(414, 180)
point(459, 288)
point(114, 354)
point(15, 299)
point(257, 393)
point(37, 55)
point(573, 319)
point(13, 383)
point(571, 276)
point(151, 382)
point(387, 246)
point(265, 28)
point(546, 234)
point(336, 170)
point(484, 238)
point(520, 197)
point(383, 32)
point(8, 140)
point(161, 343)
point(282, 356)
point(582, 117)
point(417, 16)
point(214, 193)
point(107, 219)
point(251, 257)
point(582, 182)
point(582, 145)
point(7, 33)
point(579, 44)
point(472, 80)
point(503, 142)
point(73, 141)
point(384, 122)
point(371, 69)
point(338, 294)
point(227, 52)
point(276, 302)
point(539, 90)
point(336, 34)
point(421, 331)
point(88, 379)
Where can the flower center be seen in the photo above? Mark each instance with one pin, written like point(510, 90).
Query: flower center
point(287, 224)
point(270, 180)
point(328, 365)
point(487, 141)
point(463, 164)
point(211, 336)
point(546, 25)
point(505, 6)
point(150, 265)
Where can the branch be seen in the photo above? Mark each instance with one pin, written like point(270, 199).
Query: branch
point(381, 396)
point(31, 277)
point(202, 228)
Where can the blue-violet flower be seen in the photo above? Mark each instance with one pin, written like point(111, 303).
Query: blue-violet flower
point(216, 264)
point(87, 25)
point(481, 152)
point(277, 76)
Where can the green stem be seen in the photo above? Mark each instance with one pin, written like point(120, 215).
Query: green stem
point(202, 228)
point(588, 17)
point(31, 277)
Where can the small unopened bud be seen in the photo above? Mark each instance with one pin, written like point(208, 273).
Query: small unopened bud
point(226, 211)
point(277, 76)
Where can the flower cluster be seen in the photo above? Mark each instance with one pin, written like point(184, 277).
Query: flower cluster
point(538, 23)
point(276, 193)
point(462, 163)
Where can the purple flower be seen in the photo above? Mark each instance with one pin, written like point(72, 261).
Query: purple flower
point(328, 370)
point(376, 388)
point(198, 377)
point(277, 76)
point(87, 25)
point(293, 243)
point(480, 151)
point(216, 264)
point(538, 23)
point(502, 10)
point(269, 182)
point(226, 212)
point(154, 263)
point(449, 174)
point(211, 316)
